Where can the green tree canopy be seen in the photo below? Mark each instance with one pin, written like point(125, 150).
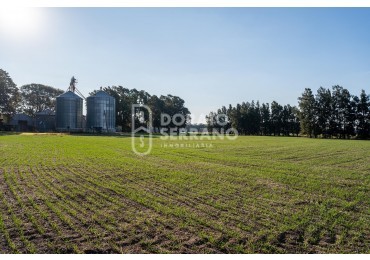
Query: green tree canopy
point(38, 97)
point(9, 94)
point(307, 112)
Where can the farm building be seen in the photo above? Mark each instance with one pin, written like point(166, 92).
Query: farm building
point(21, 123)
point(45, 121)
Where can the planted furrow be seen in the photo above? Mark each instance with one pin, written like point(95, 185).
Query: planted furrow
point(55, 216)
point(95, 200)
point(17, 217)
point(182, 213)
point(60, 233)
point(177, 198)
point(129, 219)
point(8, 245)
point(165, 209)
point(70, 214)
point(119, 194)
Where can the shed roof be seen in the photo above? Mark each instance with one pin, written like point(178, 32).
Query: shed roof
point(46, 112)
point(20, 117)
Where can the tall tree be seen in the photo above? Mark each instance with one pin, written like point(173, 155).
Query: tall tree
point(362, 112)
point(157, 106)
point(265, 119)
point(342, 124)
point(276, 117)
point(307, 112)
point(38, 97)
point(324, 111)
point(211, 121)
point(295, 123)
point(255, 118)
point(235, 118)
point(287, 120)
point(9, 94)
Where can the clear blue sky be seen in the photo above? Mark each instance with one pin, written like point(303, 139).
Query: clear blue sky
point(208, 56)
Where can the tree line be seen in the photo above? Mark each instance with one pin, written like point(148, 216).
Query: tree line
point(28, 99)
point(335, 113)
point(331, 113)
point(253, 118)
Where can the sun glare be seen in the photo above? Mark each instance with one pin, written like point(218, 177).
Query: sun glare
point(20, 23)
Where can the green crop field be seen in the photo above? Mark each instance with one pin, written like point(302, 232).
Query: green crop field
point(91, 194)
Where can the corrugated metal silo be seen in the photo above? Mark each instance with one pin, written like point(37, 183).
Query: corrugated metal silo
point(101, 112)
point(69, 112)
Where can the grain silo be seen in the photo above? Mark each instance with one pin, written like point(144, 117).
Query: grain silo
point(101, 112)
point(69, 110)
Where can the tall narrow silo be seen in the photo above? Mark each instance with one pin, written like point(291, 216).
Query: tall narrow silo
point(69, 112)
point(101, 112)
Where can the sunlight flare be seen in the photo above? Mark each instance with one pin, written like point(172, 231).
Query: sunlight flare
point(20, 22)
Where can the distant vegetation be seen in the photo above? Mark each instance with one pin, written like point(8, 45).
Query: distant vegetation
point(37, 97)
point(331, 113)
point(251, 118)
point(335, 113)
point(28, 99)
point(9, 94)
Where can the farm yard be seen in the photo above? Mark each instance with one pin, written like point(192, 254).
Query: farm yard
point(92, 194)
